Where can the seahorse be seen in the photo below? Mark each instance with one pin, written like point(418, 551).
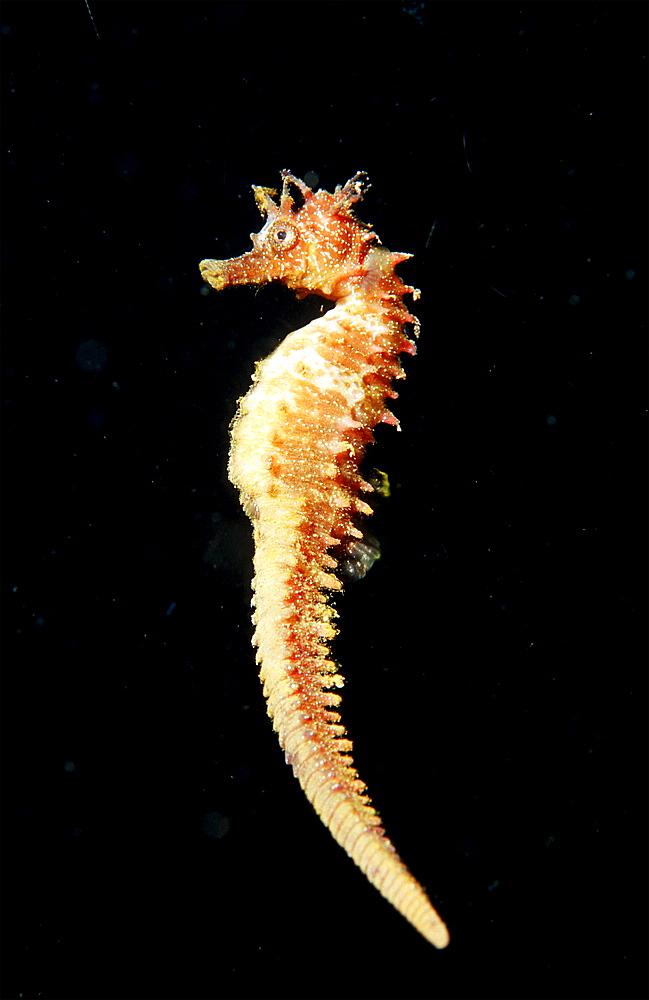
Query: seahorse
point(297, 442)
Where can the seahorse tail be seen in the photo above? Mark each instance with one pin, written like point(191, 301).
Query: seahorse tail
point(355, 824)
point(300, 682)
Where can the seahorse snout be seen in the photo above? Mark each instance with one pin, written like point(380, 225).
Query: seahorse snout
point(214, 273)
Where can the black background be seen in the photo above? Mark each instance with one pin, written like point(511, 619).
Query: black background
point(155, 843)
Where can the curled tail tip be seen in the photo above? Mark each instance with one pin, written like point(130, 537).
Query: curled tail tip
point(437, 934)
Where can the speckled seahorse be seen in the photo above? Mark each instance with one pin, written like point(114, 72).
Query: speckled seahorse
point(297, 443)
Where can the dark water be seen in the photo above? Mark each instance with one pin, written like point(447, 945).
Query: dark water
point(155, 844)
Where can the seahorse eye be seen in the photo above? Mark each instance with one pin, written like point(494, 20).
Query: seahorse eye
point(283, 236)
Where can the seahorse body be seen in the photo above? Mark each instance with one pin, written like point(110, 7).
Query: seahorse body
point(297, 443)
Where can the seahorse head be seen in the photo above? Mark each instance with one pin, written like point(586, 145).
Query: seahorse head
point(312, 243)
